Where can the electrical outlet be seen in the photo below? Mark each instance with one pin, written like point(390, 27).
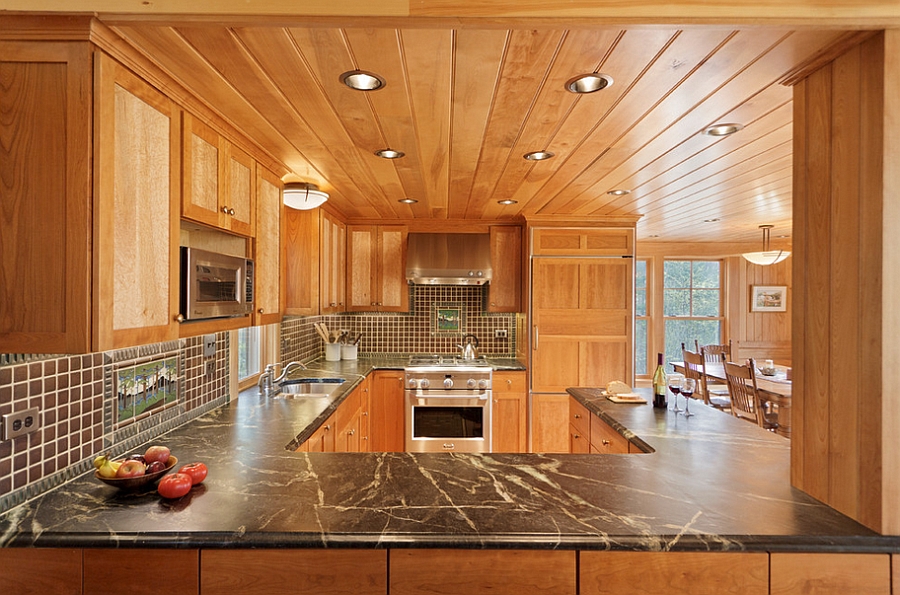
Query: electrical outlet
point(501, 333)
point(21, 423)
point(209, 345)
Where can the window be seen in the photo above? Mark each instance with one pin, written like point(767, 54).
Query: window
point(692, 304)
point(641, 319)
point(249, 350)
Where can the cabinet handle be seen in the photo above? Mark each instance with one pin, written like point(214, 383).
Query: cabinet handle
point(605, 442)
point(496, 401)
point(536, 335)
point(333, 304)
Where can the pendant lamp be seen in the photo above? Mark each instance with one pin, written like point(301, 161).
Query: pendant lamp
point(766, 257)
point(303, 196)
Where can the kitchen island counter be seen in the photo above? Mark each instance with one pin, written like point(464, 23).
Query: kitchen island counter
point(712, 483)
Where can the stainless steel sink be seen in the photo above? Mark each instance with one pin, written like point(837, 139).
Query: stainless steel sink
point(310, 387)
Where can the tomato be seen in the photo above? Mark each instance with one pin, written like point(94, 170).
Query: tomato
point(175, 485)
point(197, 471)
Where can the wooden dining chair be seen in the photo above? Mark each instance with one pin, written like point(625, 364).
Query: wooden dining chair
point(715, 353)
point(718, 393)
point(745, 401)
point(695, 367)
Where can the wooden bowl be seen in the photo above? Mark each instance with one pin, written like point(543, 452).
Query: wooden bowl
point(132, 483)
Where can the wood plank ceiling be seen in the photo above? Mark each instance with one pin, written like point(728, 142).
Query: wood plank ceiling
point(465, 104)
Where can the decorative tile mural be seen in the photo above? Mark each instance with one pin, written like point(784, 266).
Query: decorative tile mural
point(144, 388)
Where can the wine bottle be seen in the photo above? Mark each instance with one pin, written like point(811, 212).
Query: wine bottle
point(659, 384)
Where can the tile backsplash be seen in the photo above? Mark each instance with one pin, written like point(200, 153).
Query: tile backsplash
point(76, 398)
point(412, 332)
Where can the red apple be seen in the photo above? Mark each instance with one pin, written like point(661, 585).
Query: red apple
point(131, 469)
point(157, 453)
point(156, 467)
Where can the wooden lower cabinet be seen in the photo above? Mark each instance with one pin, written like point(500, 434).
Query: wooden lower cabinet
point(686, 573)
point(39, 571)
point(605, 440)
point(579, 428)
point(105, 569)
point(278, 571)
point(509, 425)
point(590, 434)
point(500, 572)
point(386, 419)
point(826, 574)
point(549, 427)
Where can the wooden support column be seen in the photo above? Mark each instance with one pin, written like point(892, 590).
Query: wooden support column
point(846, 273)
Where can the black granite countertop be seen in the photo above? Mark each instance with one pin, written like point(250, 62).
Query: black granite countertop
point(711, 483)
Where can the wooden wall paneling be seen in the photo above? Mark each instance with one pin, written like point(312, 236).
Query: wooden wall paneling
point(845, 353)
point(268, 571)
point(884, 326)
point(179, 571)
point(826, 574)
point(45, 222)
point(39, 571)
point(136, 210)
point(269, 253)
point(503, 572)
point(690, 573)
point(302, 262)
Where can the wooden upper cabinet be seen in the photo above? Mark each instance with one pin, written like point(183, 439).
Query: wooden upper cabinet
point(301, 247)
point(548, 241)
point(268, 255)
point(376, 268)
point(219, 181)
point(333, 264)
point(136, 223)
point(505, 288)
point(45, 223)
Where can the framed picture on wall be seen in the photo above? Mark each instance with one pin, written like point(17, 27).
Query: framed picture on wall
point(768, 298)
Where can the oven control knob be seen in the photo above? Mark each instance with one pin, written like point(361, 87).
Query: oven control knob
point(482, 384)
point(448, 382)
point(470, 383)
point(424, 383)
point(412, 383)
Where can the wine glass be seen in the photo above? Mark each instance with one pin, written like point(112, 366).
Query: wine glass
point(687, 389)
point(674, 381)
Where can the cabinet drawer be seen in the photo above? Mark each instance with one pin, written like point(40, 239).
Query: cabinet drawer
point(580, 417)
point(605, 439)
point(508, 382)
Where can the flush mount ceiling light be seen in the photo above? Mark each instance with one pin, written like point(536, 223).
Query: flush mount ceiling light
point(362, 80)
point(303, 196)
point(389, 153)
point(619, 192)
point(589, 83)
point(722, 129)
point(507, 201)
point(538, 155)
point(766, 257)
point(408, 201)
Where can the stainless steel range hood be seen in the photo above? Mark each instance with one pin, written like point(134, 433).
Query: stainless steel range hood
point(448, 258)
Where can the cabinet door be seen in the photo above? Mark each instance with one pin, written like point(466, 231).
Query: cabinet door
point(824, 574)
point(386, 422)
point(604, 439)
point(39, 571)
point(333, 250)
point(268, 260)
point(392, 288)
point(361, 267)
point(200, 181)
point(238, 201)
point(509, 424)
point(45, 226)
point(137, 139)
point(365, 407)
point(179, 575)
point(505, 288)
point(581, 329)
point(302, 262)
point(346, 424)
point(550, 423)
point(323, 439)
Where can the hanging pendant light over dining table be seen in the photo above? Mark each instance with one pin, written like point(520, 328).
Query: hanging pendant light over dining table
point(767, 256)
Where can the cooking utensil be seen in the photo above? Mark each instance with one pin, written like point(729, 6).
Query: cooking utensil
point(321, 332)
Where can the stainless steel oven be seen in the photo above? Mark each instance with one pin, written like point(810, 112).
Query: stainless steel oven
point(447, 405)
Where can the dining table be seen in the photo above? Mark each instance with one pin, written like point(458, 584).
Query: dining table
point(774, 390)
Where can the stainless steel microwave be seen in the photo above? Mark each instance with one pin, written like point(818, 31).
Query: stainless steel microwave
point(215, 285)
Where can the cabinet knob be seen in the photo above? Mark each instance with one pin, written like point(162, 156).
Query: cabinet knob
point(365, 414)
point(351, 432)
point(508, 382)
point(577, 436)
point(577, 416)
point(605, 442)
point(231, 211)
point(225, 210)
point(260, 310)
point(179, 318)
point(328, 428)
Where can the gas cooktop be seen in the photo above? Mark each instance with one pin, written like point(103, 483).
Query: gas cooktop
point(447, 361)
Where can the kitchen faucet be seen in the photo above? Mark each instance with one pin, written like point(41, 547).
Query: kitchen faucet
point(268, 384)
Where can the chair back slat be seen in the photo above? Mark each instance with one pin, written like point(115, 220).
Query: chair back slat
point(715, 354)
point(744, 392)
point(695, 367)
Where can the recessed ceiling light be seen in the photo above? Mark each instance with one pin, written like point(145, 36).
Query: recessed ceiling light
point(389, 153)
point(408, 201)
point(619, 192)
point(722, 129)
point(507, 201)
point(362, 81)
point(711, 220)
point(538, 155)
point(589, 83)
